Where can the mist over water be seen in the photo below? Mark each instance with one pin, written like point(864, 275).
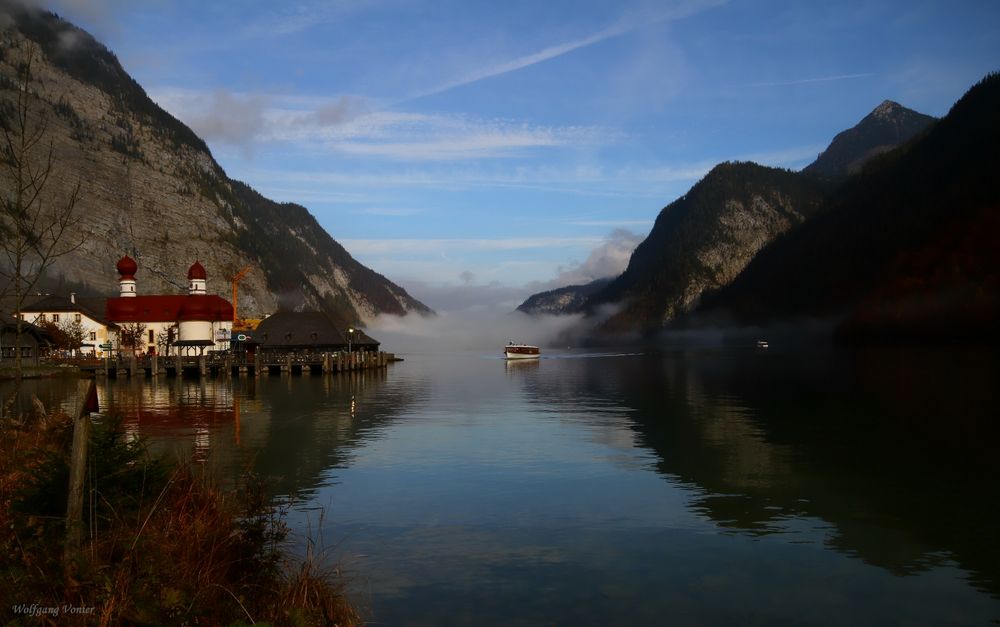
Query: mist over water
point(474, 331)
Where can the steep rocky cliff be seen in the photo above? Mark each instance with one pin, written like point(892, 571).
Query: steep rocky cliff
point(563, 300)
point(704, 239)
point(150, 187)
point(908, 248)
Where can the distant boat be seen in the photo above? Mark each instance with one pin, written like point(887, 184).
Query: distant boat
point(520, 351)
point(761, 343)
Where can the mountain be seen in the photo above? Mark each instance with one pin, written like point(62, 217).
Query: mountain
point(563, 300)
point(908, 248)
point(149, 187)
point(889, 125)
point(704, 239)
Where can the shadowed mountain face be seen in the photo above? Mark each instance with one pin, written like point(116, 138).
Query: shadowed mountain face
point(150, 187)
point(889, 125)
point(907, 249)
point(704, 239)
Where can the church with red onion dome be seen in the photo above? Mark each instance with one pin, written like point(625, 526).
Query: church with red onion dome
point(170, 323)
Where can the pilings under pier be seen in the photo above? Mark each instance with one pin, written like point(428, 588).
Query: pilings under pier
point(239, 365)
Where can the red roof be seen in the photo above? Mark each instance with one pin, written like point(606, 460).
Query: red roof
point(197, 271)
point(168, 308)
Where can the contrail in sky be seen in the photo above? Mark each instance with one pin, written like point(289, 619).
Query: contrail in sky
point(821, 79)
point(623, 26)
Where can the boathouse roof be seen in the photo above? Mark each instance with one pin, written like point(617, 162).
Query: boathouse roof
point(308, 330)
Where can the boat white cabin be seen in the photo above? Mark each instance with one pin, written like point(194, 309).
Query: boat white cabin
point(520, 351)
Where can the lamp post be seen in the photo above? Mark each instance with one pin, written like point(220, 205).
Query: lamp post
point(350, 335)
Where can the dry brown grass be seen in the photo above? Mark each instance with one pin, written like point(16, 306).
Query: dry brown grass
point(179, 551)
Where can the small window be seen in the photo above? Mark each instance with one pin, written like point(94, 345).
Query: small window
point(152, 338)
point(55, 317)
point(41, 317)
point(93, 336)
point(76, 318)
point(25, 351)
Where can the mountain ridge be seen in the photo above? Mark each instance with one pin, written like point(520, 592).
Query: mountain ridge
point(890, 124)
point(908, 248)
point(151, 188)
point(695, 250)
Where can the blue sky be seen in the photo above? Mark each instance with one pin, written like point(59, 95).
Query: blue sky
point(475, 151)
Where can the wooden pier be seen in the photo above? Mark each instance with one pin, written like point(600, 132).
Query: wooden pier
point(234, 365)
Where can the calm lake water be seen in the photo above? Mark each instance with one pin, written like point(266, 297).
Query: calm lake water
point(703, 487)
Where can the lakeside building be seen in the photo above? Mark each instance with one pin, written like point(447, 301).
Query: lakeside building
point(169, 324)
point(309, 332)
point(33, 341)
point(88, 313)
point(165, 324)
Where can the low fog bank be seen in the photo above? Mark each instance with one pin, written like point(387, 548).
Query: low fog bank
point(490, 330)
point(467, 330)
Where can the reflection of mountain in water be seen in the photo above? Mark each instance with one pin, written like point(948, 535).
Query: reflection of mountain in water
point(288, 429)
point(891, 449)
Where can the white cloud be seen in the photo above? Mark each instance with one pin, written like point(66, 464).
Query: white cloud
point(617, 223)
point(293, 17)
point(390, 212)
point(350, 125)
point(405, 246)
point(609, 259)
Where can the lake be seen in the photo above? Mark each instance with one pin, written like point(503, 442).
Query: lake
point(712, 486)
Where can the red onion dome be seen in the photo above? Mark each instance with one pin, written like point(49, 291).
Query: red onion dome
point(127, 267)
point(196, 307)
point(197, 271)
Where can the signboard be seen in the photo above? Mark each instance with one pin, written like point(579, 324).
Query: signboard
point(242, 337)
point(105, 347)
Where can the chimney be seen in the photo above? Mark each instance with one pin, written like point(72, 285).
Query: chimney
point(72, 297)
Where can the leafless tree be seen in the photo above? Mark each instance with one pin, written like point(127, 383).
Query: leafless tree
point(131, 335)
point(37, 221)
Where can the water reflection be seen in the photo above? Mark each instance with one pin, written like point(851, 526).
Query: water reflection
point(288, 429)
point(890, 452)
point(703, 487)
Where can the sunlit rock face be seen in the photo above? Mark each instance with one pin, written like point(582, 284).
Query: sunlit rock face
point(150, 187)
point(703, 240)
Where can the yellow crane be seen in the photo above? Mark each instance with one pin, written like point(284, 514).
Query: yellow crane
point(237, 322)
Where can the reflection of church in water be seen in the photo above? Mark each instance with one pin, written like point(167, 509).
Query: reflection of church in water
point(169, 324)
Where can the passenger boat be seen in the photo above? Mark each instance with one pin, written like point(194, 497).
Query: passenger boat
point(520, 351)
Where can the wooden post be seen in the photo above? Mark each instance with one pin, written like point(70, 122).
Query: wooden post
point(179, 367)
point(86, 397)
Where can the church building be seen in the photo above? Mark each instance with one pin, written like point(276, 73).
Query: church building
point(169, 323)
